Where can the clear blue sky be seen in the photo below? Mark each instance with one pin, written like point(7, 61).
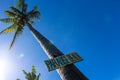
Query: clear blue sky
point(89, 27)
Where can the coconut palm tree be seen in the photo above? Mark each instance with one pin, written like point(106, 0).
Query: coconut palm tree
point(20, 18)
point(31, 75)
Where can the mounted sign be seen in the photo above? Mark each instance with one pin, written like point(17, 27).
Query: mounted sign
point(62, 61)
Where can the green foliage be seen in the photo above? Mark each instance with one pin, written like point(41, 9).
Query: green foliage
point(20, 3)
point(35, 8)
point(19, 18)
point(8, 20)
point(31, 75)
point(18, 32)
point(34, 15)
point(12, 28)
point(15, 11)
point(10, 14)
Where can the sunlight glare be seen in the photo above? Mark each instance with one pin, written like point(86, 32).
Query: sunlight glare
point(6, 67)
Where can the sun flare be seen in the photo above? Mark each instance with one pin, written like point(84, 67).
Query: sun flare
point(5, 67)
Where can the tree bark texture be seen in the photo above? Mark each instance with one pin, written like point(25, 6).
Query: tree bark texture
point(69, 72)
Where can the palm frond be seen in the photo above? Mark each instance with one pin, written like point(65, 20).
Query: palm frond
point(10, 14)
point(35, 8)
point(17, 33)
point(15, 11)
point(8, 20)
point(12, 28)
point(33, 69)
point(25, 72)
point(11, 45)
point(37, 78)
point(34, 15)
point(20, 3)
point(33, 76)
point(24, 8)
point(31, 22)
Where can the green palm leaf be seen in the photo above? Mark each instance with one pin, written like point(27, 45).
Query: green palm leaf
point(35, 8)
point(8, 20)
point(10, 14)
point(15, 11)
point(24, 8)
point(34, 15)
point(25, 72)
point(37, 78)
point(17, 33)
point(20, 3)
point(12, 28)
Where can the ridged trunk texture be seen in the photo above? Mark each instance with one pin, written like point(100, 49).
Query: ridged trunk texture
point(69, 72)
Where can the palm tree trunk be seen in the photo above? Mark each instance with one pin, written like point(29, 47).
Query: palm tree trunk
point(69, 72)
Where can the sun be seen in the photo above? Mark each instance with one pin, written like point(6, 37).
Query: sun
point(5, 67)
